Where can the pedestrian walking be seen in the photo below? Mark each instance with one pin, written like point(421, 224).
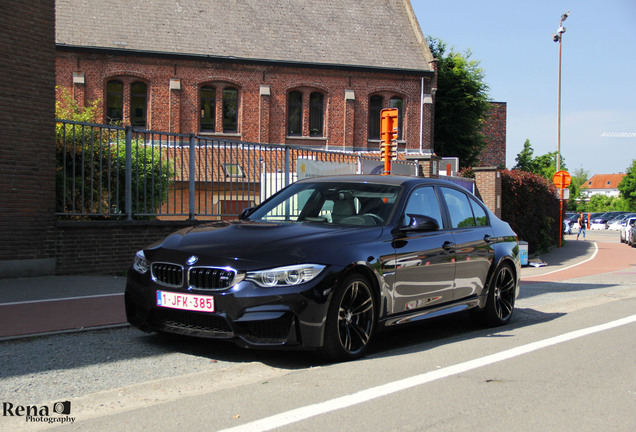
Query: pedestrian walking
point(582, 224)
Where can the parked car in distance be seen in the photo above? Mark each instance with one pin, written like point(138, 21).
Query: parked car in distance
point(616, 223)
point(570, 222)
point(626, 230)
point(600, 222)
point(325, 263)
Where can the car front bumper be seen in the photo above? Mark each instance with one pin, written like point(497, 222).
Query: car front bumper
point(246, 314)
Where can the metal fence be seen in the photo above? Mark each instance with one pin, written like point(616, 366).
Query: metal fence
point(119, 172)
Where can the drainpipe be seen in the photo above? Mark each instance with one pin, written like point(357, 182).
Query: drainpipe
point(422, 117)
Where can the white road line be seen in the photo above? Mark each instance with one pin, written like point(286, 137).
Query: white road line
point(568, 267)
point(61, 299)
point(303, 413)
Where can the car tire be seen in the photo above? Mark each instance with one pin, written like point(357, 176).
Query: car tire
point(351, 320)
point(500, 302)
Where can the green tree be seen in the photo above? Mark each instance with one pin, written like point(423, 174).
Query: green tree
point(461, 104)
point(525, 159)
point(579, 177)
point(603, 203)
point(544, 165)
point(627, 187)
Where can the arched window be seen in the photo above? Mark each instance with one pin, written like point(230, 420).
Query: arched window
point(138, 104)
point(114, 102)
point(295, 113)
point(375, 106)
point(316, 114)
point(208, 109)
point(398, 102)
point(230, 110)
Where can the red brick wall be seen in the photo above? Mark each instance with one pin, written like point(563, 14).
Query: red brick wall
point(27, 149)
point(106, 247)
point(488, 188)
point(261, 118)
point(495, 131)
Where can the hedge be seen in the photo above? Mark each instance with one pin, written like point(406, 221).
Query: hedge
point(530, 206)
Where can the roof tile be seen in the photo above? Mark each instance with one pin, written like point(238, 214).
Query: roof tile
point(604, 181)
point(369, 33)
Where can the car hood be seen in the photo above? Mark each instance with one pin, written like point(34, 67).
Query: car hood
point(247, 245)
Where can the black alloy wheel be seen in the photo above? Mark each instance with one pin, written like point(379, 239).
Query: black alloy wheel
point(351, 320)
point(501, 297)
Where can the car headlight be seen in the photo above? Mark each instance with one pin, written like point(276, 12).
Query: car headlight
point(140, 264)
point(285, 276)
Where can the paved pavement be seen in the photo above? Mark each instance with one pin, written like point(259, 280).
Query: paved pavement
point(48, 304)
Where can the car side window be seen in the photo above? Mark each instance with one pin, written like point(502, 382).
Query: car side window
point(481, 219)
point(461, 214)
point(423, 201)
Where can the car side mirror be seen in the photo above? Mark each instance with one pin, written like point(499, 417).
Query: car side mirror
point(421, 223)
point(246, 212)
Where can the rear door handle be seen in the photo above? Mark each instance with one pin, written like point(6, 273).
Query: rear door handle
point(448, 246)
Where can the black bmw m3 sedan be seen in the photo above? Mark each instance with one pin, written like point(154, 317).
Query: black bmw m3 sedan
point(326, 263)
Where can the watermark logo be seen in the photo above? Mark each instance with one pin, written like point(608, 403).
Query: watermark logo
point(59, 412)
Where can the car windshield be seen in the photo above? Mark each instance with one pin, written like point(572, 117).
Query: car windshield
point(358, 204)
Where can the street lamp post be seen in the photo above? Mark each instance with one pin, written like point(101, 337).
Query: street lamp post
point(558, 38)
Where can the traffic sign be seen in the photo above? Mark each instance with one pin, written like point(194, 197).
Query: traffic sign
point(389, 135)
point(562, 179)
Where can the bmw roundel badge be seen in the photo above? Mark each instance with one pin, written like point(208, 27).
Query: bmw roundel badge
point(192, 260)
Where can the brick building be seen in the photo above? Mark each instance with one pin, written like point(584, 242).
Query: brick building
point(311, 73)
point(27, 150)
point(495, 132)
point(308, 73)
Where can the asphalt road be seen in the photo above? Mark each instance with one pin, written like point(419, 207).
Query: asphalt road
point(564, 363)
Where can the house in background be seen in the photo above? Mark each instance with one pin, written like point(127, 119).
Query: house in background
point(602, 184)
point(313, 73)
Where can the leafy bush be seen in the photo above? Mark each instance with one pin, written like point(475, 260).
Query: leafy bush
point(602, 203)
point(79, 155)
point(91, 162)
point(150, 174)
point(530, 206)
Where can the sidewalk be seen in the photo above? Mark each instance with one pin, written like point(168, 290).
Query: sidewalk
point(47, 304)
point(600, 252)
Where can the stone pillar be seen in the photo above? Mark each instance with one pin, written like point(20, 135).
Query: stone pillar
point(488, 187)
point(264, 108)
point(79, 90)
point(174, 102)
point(429, 164)
point(349, 119)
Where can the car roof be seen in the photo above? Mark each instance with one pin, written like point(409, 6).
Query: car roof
point(392, 180)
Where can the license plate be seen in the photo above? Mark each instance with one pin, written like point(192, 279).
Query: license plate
point(191, 302)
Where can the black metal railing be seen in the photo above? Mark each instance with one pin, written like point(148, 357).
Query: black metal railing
point(106, 171)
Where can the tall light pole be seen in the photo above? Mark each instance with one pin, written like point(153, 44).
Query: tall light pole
point(559, 38)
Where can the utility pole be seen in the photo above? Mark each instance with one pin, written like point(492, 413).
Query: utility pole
point(559, 38)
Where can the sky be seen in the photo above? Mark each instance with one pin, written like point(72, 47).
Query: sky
point(513, 42)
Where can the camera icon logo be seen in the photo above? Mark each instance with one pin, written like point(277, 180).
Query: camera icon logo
point(62, 407)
